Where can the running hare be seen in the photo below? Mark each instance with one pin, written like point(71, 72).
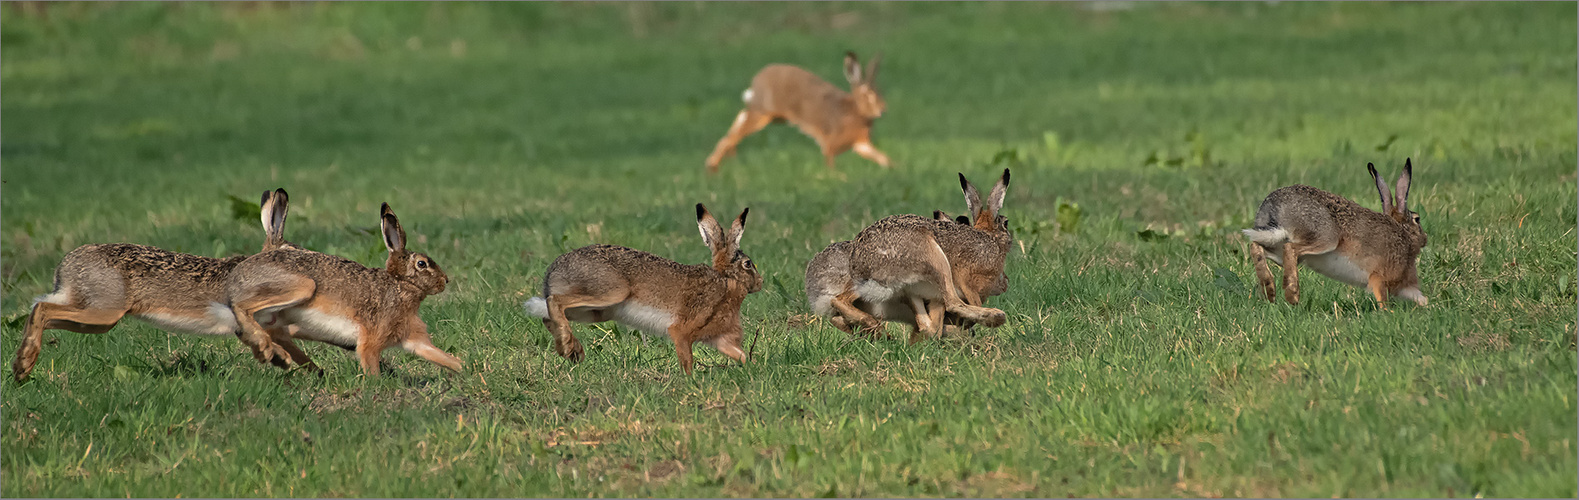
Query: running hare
point(340, 302)
point(836, 119)
point(1341, 239)
point(688, 303)
point(935, 266)
point(97, 285)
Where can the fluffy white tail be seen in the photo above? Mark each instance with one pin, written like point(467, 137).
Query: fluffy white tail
point(1269, 236)
point(536, 306)
point(746, 96)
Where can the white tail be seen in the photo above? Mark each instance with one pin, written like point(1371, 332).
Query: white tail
point(746, 96)
point(1270, 236)
point(536, 306)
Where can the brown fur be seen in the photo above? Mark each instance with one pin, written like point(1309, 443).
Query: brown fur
point(97, 285)
point(702, 302)
point(284, 286)
point(836, 119)
point(1384, 245)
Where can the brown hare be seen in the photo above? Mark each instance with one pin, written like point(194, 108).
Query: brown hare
point(686, 303)
point(837, 120)
point(1339, 238)
point(935, 265)
point(97, 285)
point(340, 302)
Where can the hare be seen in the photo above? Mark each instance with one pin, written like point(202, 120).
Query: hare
point(831, 291)
point(836, 119)
point(688, 303)
point(97, 285)
point(932, 264)
point(1339, 238)
point(340, 302)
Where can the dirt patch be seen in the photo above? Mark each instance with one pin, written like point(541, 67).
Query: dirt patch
point(663, 471)
point(802, 321)
point(328, 402)
point(1285, 373)
point(834, 367)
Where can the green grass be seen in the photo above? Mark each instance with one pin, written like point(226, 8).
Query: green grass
point(505, 134)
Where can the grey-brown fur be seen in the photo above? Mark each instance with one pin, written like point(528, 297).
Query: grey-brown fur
point(1340, 238)
point(340, 302)
point(686, 303)
point(97, 285)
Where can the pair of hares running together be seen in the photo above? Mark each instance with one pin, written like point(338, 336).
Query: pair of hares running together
point(902, 268)
point(267, 300)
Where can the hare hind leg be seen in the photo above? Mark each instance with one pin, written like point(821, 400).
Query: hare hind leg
point(565, 341)
point(747, 122)
point(844, 305)
point(284, 292)
point(943, 277)
point(1263, 272)
point(51, 316)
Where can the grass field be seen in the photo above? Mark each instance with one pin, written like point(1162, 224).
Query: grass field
point(1135, 362)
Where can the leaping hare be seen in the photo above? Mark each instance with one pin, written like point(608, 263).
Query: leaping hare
point(836, 119)
point(1339, 238)
point(340, 302)
point(97, 285)
point(687, 303)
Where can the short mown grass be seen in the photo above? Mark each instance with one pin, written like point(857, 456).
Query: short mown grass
point(1135, 363)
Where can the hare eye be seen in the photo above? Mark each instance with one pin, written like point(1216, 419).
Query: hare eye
point(422, 264)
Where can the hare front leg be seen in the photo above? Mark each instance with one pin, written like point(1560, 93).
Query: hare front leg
point(49, 315)
point(1378, 289)
point(420, 343)
point(1263, 273)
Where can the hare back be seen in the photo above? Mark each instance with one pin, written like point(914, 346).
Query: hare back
point(779, 88)
point(353, 284)
point(602, 269)
point(138, 278)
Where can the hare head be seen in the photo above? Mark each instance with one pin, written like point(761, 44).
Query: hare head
point(867, 101)
point(415, 268)
point(1395, 204)
point(728, 260)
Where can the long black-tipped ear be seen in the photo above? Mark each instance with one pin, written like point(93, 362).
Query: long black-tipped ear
point(394, 235)
point(273, 210)
point(737, 229)
point(995, 198)
point(972, 197)
point(1403, 185)
point(852, 69)
point(1381, 189)
point(712, 234)
point(871, 68)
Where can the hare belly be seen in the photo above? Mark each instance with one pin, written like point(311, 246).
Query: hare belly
point(325, 327)
point(216, 319)
point(1336, 266)
point(642, 317)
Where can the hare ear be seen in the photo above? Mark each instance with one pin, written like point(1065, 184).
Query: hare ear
point(852, 69)
point(871, 68)
point(712, 234)
point(995, 198)
point(394, 235)
point(972, 197)
point(737, 229)
point(1381, 189)
point(274, 208)
point(1403, 186)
